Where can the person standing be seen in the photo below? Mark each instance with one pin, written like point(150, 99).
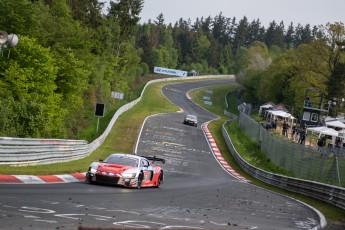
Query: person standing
point(302, 136)
point(293, 131)
point(285, 129)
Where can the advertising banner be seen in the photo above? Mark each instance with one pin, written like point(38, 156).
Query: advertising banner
point(173, 72)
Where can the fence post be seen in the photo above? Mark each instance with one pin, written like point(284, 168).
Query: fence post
point(321, 168)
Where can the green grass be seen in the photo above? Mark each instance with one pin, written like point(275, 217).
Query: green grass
point(121, 138)
point(250, 151)
point(125, 132)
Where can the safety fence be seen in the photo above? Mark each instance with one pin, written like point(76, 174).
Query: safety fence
point(29, 151)
point(324, 192)
point(305, 162)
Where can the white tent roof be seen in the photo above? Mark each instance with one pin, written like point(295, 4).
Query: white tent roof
point(280, 113)
point(324, 130)
point(266, 106)
point(336, 123)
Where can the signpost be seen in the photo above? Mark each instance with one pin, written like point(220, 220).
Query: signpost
point(99, 112)
point(207, 99)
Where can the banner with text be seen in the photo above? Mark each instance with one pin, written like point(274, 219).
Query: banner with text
point(173, 72)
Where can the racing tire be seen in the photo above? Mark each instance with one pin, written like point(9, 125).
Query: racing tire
point(160, 179)
point(90, 180)
point(140, 180)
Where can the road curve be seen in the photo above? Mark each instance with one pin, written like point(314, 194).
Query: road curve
point(197, 194)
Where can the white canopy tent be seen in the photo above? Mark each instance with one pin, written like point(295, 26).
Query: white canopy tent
point(336, 124)
point(280, 113)
point(265, 107)
point(286, 116)
point(324, 130)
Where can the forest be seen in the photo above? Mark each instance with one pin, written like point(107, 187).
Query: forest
point(72, 53)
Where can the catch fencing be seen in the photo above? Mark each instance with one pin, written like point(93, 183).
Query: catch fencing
point(324, 165)
point(30, 151)
point(324, 192)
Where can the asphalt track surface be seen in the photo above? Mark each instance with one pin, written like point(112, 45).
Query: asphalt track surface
point(197, 193)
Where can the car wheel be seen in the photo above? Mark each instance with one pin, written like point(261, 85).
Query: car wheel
point(89, 179)
point(160, 179)
point(140, 180)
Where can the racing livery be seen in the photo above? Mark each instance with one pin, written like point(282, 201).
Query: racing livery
point(127, 170)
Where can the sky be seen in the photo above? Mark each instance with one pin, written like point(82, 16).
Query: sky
point(313, 12)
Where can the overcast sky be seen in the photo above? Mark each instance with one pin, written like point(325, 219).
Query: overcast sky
point(314, 12)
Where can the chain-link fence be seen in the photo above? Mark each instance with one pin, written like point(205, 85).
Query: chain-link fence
point(311, 163)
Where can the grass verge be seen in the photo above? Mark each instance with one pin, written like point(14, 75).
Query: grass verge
point(250, 150)
point(121, 138)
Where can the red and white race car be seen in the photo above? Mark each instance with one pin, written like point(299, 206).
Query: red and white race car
point(127, 170)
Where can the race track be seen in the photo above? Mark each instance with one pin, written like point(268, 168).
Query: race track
point(197, 194)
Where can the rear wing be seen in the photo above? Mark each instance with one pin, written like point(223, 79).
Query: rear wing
point(154, 158)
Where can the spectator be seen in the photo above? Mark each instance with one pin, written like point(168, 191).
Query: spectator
point(297, 135)
point(321, 142)
point(293, 131)
point(285, 129)
point(274, 124)
point(302, 135)
point(338, 142)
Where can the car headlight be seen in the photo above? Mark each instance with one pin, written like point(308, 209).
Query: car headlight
point(128, 175)
point(92, 170)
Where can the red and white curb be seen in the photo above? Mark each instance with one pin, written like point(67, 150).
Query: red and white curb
point(30, 179)
point(219, 157)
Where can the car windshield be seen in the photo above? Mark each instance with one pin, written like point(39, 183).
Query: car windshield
point(122, 160)
point(192, 117)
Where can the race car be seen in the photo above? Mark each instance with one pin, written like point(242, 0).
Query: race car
point(191, 120)
point(127, 170)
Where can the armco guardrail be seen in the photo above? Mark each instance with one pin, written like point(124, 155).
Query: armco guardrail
point(30, 151)
point(327, 193)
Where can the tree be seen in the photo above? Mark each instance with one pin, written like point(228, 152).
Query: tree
point(259, 56)
point(200, 48)
point(289, 37)
point(256, 32)
point(242, 61)
point(275, 34)
point(275, 84)
point(20, 17)
point(318, 58)
point(240, 34)
point(88, 12)
point(220, 29)
point(29, 80)
point(71, 81)
point(336, 89)
point(126, 12)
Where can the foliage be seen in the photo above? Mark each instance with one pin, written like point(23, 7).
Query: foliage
point(29, 80)
point(72, 54)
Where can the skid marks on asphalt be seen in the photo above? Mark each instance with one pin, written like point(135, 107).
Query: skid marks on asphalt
point(171, 147)
point(132, 219)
